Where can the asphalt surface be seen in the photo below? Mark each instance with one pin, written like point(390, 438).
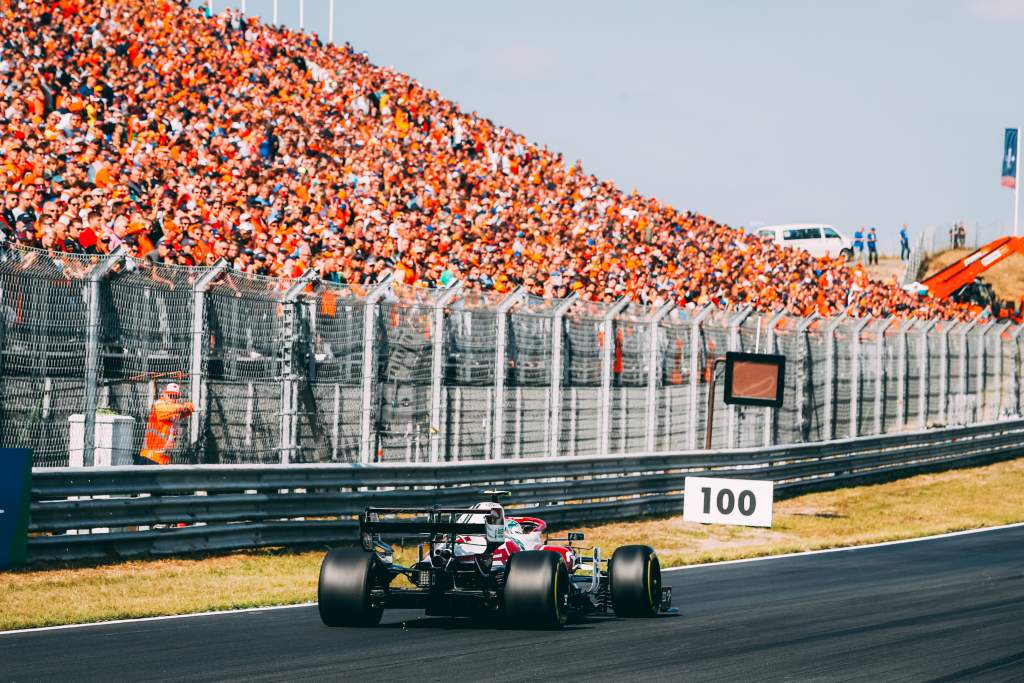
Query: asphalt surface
point(943, 609)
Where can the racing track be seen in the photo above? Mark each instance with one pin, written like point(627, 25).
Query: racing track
point(943, 608)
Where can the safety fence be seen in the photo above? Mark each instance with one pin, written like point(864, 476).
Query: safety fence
point(306, 371)
point(91, 513)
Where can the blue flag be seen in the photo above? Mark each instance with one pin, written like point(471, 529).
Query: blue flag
point(1010, 159)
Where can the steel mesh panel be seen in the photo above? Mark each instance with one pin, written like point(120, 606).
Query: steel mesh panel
point(674, 397)
point(527, 410)
point(146, 338)
point(791, 420)
point(917, 349)
point(712, 343)
point(1009, 394)
point(582, 350)
point(843, 387)
point(244, 338)
point(630, 366)
point(43, 332)
point(893, 368)
point(868, 376)
point(471, 331)
point(402, 385)
point(937, 364)
point(988, 393)
point(328, 394)
point(816, 349)
point(959, 371)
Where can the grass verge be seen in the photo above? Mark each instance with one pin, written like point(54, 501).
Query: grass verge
point(916, 506)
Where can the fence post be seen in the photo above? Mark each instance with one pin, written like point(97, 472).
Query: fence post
point(289, 394)
point(369, 371)
point(734, 345)
point(501, 369)
point(943, 372)
point(199, 345)
point(92, 351)
point(555, 390)
point(802, 334)
point(604, 402)
point(981, 404)
point(923, 372)
point(855, 378)
point(830, 375)
point(902, 358)
point(880, 372)
point(695, 371)
point(654, 373)
point(997, 371)
point(437, 366)
point(1017, 388)
point(769, 420)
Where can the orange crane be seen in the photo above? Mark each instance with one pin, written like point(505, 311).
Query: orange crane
point(963, 271)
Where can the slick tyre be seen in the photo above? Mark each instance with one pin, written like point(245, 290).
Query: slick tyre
point(847, 254)
point(536, 590)
point(343, 592)
point(634, 575)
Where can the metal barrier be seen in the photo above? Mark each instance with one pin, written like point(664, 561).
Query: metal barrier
point(83, 513)
point(303, 371)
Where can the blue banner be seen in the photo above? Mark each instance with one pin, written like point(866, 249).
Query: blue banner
point(1010, 159)
point(15, 487)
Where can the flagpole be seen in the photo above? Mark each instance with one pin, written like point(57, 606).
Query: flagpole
point(1016, 190)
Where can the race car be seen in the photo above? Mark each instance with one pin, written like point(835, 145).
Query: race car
point(476, 562)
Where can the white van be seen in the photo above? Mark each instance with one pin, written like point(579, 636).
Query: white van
point(817, 239)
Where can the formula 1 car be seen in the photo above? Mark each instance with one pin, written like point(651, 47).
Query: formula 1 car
point(476, 562)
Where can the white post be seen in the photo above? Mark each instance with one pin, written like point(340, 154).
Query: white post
point(830, 376)
point(92, 352)
point(964, 374)
point(923, 372)
point(769, 421)
point(289, 383)
point(802, 334)
point(198, 329)
point(944, 374)
point(302, 15)
point(695, 371)
point(997, 371)
point(275, 12)
point(880, 373)
point(901, 375)
point(369, 367)
point(654, 374)
point(437, 367)
point(555, 390)
point(501, 368)
point(605, 395)
point(330, 22)
point(209, 7)
point(734, 345)
point(243, 7)
point(855, 377)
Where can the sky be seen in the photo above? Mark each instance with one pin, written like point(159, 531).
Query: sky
point(853, 113)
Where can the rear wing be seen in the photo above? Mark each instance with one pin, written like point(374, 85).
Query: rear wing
point(433, 521)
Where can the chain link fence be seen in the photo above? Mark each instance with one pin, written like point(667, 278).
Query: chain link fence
point(304, 371)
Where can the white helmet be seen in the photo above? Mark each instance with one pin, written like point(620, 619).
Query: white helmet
point(172, 389)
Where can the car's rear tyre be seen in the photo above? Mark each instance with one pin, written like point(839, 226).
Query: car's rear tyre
point(536, 589)
point(634, 575)
point(847, 254)
point(343, 592)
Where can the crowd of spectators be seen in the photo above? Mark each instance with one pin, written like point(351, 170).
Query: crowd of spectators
point(187, 139)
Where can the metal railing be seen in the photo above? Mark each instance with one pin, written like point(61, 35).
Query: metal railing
point(305, 371)
point(89, 513)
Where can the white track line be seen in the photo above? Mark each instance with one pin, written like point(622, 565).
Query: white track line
point(667, 569)
point(160, 618)
point(846, 548)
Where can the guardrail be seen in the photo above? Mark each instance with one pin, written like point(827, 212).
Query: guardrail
point(93, 513)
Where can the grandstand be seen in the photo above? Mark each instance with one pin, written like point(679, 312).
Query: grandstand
point(187, 139)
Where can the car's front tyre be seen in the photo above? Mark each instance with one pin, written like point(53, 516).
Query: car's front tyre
point(343, 591)
point(536, 590)
point(634, 576)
